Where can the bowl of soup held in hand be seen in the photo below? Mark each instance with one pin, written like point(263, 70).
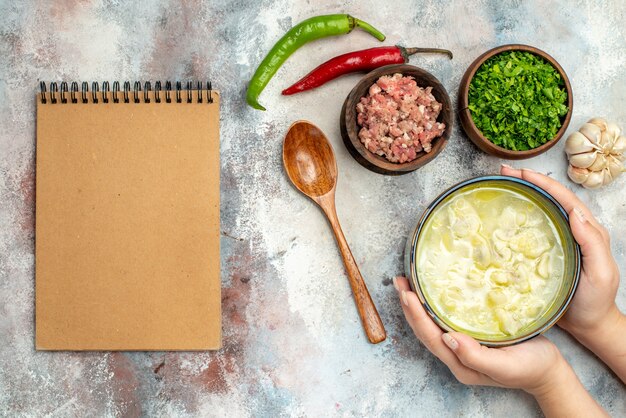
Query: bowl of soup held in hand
point(494, 257)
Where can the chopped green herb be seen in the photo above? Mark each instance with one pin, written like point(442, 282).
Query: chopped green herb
point(517, 100)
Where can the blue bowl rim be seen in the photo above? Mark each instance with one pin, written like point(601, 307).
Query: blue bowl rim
point(413, 279)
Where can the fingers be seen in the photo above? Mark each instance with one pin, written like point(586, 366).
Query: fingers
point(470, 352)
point(519, 366)
point(597, 258)
point(424, 328)
point(562, 194)
point(430, 335)
point(401, 283)
point(489, 361)
point(507, 170)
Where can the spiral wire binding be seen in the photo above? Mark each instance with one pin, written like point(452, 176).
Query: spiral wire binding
point(147, 88)
point(63, 91)
point(73, 92)
point(116, 90)
point(84, 91)
point(42, 88)
point(157, 92)
point(168, 90)
point(102, 92)
point(126, 91)
point(105, 92)
point(94, 92)
point(53, 93)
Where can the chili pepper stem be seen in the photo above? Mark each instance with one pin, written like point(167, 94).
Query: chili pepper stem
point(354, 22)
point(411, 51)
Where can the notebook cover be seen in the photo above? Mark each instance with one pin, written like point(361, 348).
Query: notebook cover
point(127, 226)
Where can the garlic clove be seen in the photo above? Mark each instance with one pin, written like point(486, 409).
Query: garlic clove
point(599, 122)
point(594, 180)
point(577, 143)
point(613, 130)
point(577, 175)
point(607, 178)
point(599, 163)
point(619, 145)
point(584, 160)
point(592, 132)
point(606, 142)
point(615, 166)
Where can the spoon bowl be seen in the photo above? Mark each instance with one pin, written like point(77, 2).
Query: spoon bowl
point(310, 165)
point(315, 170)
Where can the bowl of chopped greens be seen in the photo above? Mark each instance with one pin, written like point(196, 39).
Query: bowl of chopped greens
point(515, 102)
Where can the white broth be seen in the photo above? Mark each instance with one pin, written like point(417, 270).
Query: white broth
point(489, 261)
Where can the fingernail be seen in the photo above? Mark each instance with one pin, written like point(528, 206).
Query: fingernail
point(450, 341)
point(395, 284)
point(580, 215)
point(529, 169)
point(506, 166)
point(404, 299)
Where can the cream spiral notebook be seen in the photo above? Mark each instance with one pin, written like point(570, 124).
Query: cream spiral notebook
point(127, 217)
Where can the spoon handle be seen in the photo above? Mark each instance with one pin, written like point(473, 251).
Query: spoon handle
point(374, 327)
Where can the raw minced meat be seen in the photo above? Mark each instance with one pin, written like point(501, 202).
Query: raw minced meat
point(398, 118)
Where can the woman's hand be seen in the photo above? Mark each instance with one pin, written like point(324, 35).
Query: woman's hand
point(594, 302)
point(535, 366)
point(532, 366)
point(593, 318)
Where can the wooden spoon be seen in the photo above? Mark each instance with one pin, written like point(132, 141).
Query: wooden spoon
point(310, 164)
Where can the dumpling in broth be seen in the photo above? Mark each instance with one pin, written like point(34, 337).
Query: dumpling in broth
point(464, 221)
point(531, 242)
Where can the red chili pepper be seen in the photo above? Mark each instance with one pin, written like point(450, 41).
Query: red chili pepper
point(364, 60)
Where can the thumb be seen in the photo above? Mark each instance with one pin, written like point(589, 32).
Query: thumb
point(485, 360)
point(596, 254)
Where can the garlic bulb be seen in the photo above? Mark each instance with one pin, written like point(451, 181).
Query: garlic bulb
point(596, 153)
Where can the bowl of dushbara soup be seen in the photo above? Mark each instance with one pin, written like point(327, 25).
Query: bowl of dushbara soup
point(494, 257)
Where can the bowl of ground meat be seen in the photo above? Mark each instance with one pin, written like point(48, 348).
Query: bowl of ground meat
point(396, 119)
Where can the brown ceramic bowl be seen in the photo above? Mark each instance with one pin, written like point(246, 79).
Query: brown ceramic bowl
point(350, 128)
point(468, 123)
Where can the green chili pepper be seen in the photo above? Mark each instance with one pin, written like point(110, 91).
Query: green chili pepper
point(306, 31)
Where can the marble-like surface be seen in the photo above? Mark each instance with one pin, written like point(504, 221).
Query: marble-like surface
point(293, 344)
